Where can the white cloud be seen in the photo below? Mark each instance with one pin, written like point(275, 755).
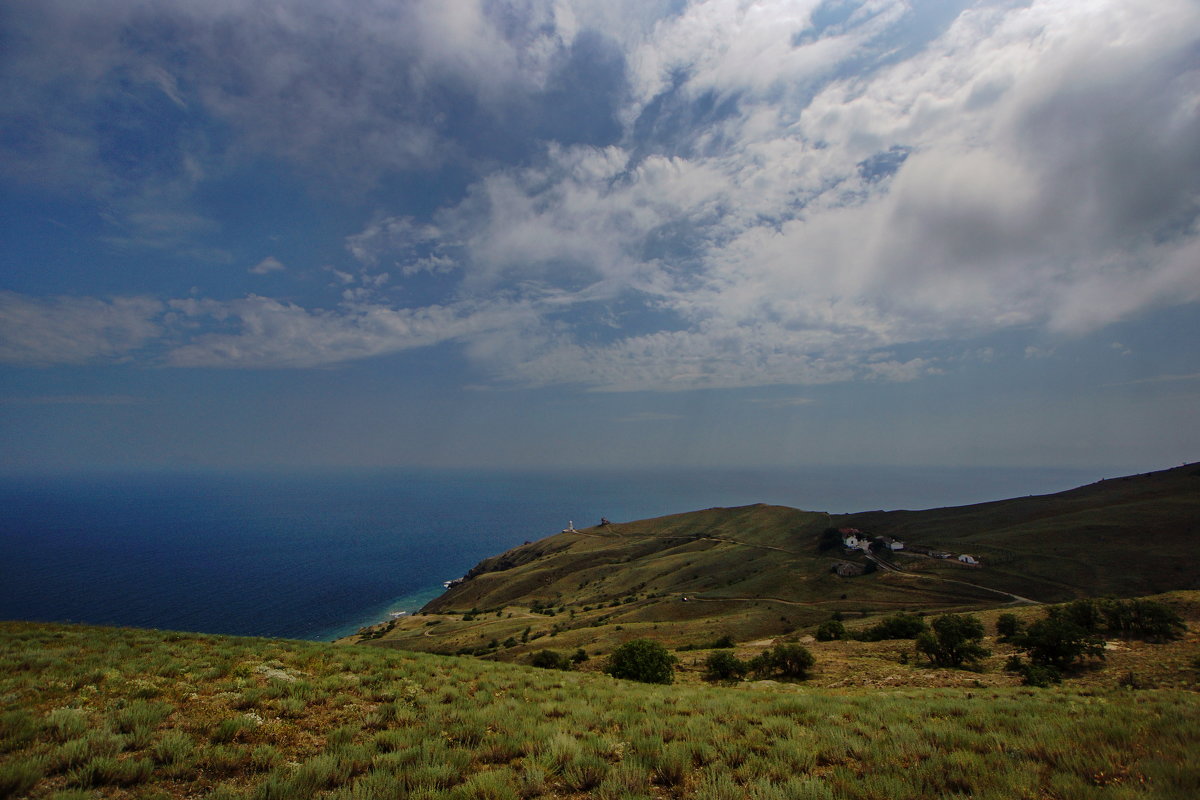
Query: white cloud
point(804, 202)
point(1053, 153)
point(264, 333)
point(267, 265)
point(74, 330)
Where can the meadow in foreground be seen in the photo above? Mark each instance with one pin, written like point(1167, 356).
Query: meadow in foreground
point(93, 712)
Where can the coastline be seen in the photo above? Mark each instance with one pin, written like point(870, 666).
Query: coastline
point(409, 603)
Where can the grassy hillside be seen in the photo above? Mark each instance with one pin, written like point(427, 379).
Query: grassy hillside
point(759, 572)
point(1126, 536)
point(94, 712)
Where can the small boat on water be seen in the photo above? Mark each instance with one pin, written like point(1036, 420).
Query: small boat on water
point(397, 614)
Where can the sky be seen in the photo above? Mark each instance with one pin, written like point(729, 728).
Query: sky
point(556, 233)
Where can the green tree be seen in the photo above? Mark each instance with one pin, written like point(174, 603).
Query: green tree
point(1149, 619)
point(550, 659)
point(642, 660)
point(724, 666)
point(1059, 643)
point(1085, 614)
point(954, 640)
point(783, 661)
point(1009, 627)
point(829, 630)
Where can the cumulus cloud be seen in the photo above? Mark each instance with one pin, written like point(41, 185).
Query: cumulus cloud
point(348, 88)
point(1033, 165)
point(796, 192)
point(267, 265)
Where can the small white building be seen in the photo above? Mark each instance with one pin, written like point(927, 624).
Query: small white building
point(966, 559)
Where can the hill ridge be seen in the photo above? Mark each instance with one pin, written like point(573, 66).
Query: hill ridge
point(599, 585)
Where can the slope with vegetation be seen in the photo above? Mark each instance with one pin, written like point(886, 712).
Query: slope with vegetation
point(760, 572)
point(94, 712)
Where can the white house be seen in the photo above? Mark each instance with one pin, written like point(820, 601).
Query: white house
point(855, 541)
point(966, 559)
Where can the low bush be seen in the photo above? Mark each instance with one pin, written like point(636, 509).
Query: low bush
point(1059, 643)
point(724, 666)
point(1039, 675)
point(642, 660)
point(550, 659)
point(65, 723)
point(897, 626)
point(831, 630)
point(19, 776)
point(110, 771)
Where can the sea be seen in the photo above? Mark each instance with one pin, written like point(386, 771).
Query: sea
point(319, 554)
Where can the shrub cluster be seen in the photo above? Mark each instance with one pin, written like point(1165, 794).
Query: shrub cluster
point(789, 661)
point(783, 661)
point(724, 667)
point(552, 659)
point(642, 660)
point(723, 642)
point(1143, 619)
point(830, 630)
point(897, 626)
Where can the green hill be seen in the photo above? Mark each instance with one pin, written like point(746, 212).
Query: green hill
point(766, 571)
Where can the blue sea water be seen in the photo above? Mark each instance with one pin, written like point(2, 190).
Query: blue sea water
point(317, 555)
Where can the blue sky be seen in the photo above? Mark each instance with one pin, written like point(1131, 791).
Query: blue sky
point(556, 233)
